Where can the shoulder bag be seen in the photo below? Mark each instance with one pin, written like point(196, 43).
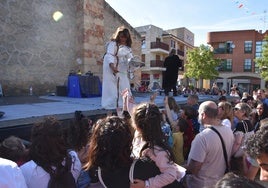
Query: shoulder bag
point(224, 150)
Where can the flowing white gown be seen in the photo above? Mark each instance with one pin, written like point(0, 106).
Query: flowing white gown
point(110, 90)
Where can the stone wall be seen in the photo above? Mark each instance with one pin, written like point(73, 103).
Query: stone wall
point(37, 51)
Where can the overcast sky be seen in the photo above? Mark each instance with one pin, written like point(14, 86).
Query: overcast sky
point(199, 16)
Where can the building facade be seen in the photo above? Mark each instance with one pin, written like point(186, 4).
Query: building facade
point(237, 51)
point(156, 45)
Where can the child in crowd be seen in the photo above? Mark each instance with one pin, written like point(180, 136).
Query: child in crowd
point(192, 101)
point(188, 113)
point(178, 141)
point(147, 119)
point(14, 149)
point(51, 161)
point(174, 108)
point(179, 126)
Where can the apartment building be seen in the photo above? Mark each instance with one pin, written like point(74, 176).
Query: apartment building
point(156, 44)
point(237, 51)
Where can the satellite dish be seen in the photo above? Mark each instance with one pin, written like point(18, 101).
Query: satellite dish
point(233, 46)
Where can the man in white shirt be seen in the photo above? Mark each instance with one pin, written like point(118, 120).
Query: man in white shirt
point(10, 175)
point(206, 163)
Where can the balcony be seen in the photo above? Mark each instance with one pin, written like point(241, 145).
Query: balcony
point(181, 53)
point(160, 45)
point(156, 63)
point(223, 51)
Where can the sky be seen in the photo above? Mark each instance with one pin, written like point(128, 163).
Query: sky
point(198, 16)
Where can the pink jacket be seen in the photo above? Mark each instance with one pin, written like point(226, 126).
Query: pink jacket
point(170, 171)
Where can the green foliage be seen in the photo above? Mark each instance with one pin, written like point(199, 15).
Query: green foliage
point(201, 63)
point(262, 62)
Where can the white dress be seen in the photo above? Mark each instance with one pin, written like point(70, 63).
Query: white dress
point(110, 92)
point(36, 177)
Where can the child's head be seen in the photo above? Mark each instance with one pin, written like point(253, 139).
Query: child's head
point(78, 131)
point(12, 148)
point(225, 111)
point(192, 99)
point(182, 124)
point(188, 112)
point(49, 146)
point(173, 104)
point(110, 144)
point(147, 120)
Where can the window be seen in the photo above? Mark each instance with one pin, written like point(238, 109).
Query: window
point(156, 76)
point(256, 68)
point(226, 65)
point(248, 47)
point(229, 47)
point(143, 57)
point(247, 65)
point(259, 45)
point(229, 64)
point(222, 45)
point(172, 44)
point(225, 48)
point(143, 44)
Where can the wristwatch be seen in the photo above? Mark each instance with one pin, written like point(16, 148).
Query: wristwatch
point(147, 184)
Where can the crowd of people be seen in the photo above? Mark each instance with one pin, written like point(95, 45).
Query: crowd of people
point(145, 146)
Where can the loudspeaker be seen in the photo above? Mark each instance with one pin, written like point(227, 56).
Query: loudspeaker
point(61, 90)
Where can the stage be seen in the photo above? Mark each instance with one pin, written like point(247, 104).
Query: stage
point(22, 112)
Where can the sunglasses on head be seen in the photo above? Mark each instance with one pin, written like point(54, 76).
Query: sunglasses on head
point(236, 108)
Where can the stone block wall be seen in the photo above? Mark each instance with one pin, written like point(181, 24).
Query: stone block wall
point(37, 51)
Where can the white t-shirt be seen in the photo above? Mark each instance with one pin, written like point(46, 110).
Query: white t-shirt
point(227, 123)
point(207, 149)
point(10, 175)
point(36, 177)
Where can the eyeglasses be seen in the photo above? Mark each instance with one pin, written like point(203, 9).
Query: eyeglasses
point(259, 108)
point(236, 109)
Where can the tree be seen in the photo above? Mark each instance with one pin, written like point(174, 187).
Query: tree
point(262, 62)
point(201, 63)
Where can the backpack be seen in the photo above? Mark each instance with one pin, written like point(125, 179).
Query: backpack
point(65, 179)
point(240, 138)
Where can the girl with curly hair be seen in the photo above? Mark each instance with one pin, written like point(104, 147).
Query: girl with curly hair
point(109, 152)
point(50, 158)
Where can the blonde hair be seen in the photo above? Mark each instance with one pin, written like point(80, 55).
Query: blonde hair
point(227, 110)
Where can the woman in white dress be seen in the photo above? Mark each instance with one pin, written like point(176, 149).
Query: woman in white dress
point(115, 68)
